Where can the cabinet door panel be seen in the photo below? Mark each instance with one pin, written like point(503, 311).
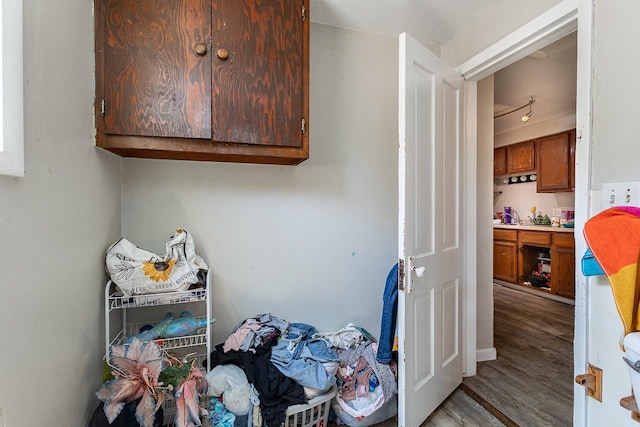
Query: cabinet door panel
point(500, 161)
point(535, 238)
point(553, 163)
point(505, 261)
point(257, 90)
point(521, 157)
point(572, 160)
point(505, 235)
point(563, 272)
point(155, 83)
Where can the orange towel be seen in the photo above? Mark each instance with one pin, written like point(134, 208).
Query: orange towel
point(614, 238)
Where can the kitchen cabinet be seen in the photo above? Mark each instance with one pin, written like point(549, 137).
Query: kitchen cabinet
point(521, 157)
point(505, 255)
point(500, 161)
point(554, 161)
point(563, 258)
point(572, 159)
point(518, 252)
point(208, 80)
point(514, 158)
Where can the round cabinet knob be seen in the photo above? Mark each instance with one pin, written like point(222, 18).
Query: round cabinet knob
point(222, 53)
point(200, 48)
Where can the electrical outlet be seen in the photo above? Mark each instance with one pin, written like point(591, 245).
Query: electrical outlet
point(620, 194)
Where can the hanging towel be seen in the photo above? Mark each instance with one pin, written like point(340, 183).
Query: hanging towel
point(614, 239)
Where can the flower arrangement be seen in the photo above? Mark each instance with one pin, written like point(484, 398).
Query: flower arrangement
point(141, 371)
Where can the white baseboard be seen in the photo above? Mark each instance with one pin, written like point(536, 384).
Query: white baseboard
point(486, 354)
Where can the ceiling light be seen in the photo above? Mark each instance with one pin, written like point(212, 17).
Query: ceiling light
point(524, 118)
point(527, 116)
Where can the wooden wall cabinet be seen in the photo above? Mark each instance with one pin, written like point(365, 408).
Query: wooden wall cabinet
point(505, 255)
point(552, 158)
point(203, 79)
point(554, 163)
point(500, 161)
point(514, 159)
point(521, 157)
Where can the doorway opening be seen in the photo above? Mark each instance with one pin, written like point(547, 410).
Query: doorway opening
point(547, 28)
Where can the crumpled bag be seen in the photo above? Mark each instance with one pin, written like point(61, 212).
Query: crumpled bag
point(230, 383)
point(136, 271)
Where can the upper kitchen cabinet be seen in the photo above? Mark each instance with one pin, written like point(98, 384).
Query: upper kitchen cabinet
point(521, 157)
point(500, 161)
point(514, 158)
point(554, 162)
point(213, 80)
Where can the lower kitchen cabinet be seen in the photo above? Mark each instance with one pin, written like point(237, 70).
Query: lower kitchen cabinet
point(505, 255)
point(563, 257)
point(518, 253)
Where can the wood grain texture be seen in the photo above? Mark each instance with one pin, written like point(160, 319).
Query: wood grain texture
point(257, 90)
point(531, 381)
point(155, 84)
point(553, 157)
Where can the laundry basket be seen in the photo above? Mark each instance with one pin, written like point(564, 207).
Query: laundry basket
point(315, 413)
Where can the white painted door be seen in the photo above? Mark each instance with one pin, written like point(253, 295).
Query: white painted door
point(429, 313)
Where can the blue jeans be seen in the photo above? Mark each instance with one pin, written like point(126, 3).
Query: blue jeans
point(306, 372)
point(389, 312)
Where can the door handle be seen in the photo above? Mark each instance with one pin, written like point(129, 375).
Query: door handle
point(419, 271)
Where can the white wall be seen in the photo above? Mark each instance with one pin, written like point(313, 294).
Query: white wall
point(615, 154)
point(484, 334)
point(523, 196)
point(55, 225)
point(310, 243)
point(499, 21)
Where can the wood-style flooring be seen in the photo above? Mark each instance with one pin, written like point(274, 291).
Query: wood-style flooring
point(531, 381)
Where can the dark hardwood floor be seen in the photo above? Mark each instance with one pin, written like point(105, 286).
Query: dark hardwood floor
point(531, 381)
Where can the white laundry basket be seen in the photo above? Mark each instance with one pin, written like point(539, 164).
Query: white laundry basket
point(315, 413)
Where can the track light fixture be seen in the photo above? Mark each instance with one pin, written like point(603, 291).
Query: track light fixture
point(524, 118)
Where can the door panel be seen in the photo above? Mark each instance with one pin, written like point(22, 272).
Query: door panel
point(150, 52)
point(429, 239)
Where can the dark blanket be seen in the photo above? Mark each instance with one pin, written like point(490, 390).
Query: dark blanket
point(127, 417)
point(277, 391)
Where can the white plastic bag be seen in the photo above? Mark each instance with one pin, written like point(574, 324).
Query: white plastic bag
point(136, 271)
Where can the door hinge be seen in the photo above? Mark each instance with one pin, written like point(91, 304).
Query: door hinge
point(400, 274)
point(103, 107)
point(304, 13)
point(304, 126)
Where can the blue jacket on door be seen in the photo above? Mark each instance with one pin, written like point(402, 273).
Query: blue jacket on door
point(389, 313)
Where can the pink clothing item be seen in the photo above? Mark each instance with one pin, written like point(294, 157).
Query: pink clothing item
point(235, 340)
point(363, 374)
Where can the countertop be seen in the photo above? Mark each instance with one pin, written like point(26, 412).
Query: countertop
point(534, 228)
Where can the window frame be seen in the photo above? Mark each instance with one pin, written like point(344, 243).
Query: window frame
point(11, 89)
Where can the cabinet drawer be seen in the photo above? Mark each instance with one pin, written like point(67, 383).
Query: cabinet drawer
point(505, 235)
point(565, 240)
point(542, 238)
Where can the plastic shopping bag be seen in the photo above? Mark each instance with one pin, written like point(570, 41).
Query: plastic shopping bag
point(136, 271)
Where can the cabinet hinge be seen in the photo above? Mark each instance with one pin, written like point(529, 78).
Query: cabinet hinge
point(304, 13)
point(103, 107)
point(304, 126)
point(400, 274)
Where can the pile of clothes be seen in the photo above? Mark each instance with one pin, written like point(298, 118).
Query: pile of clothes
point(268, 364)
